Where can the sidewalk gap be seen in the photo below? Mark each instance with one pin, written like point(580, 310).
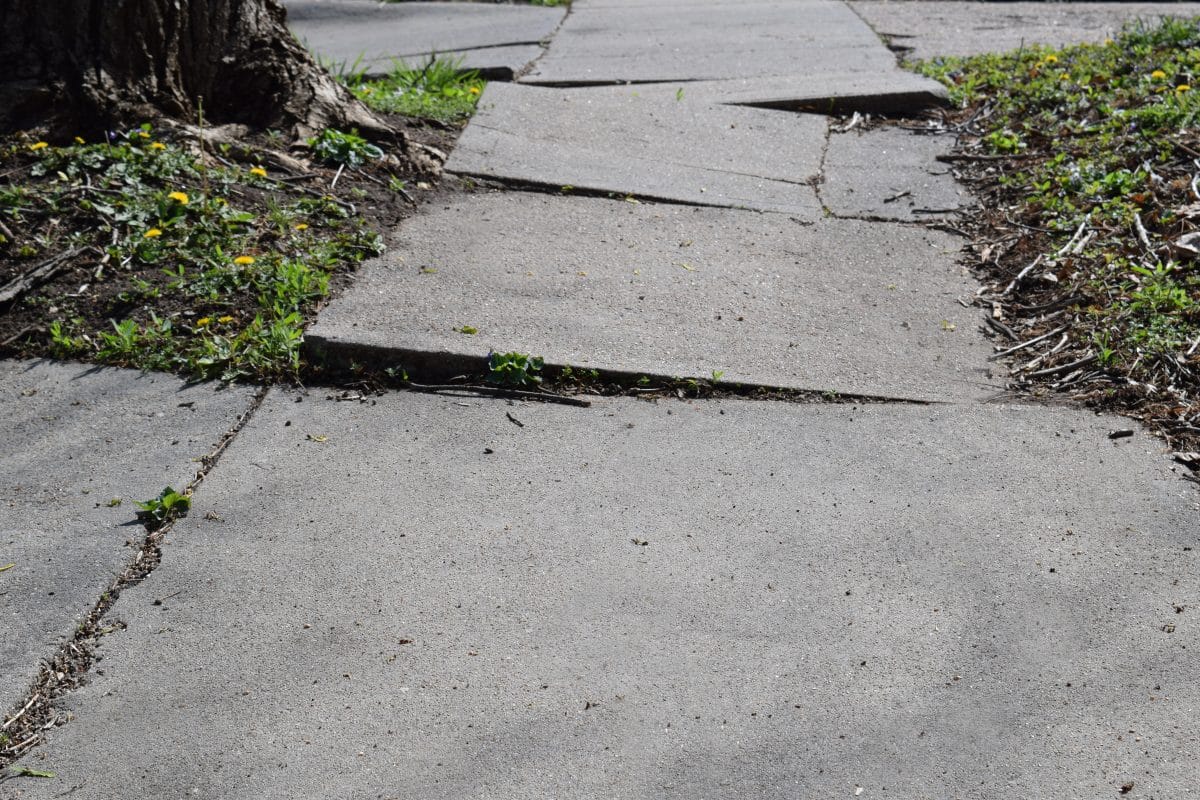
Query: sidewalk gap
point(341, 366)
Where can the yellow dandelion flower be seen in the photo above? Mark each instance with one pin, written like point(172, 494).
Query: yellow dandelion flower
point(143, 134)
point(1181, 88)
point(1158, 75)
point(258, 172)
point(79, 140)
point(179, 197)
point(39, 145)
point(157, 146)
point(244, 260)
point(200, 323)
point(153, 233)
point(225, 320)
point(1051, 59)
point(474, 90)
point(1066, 76)
point(303, 226)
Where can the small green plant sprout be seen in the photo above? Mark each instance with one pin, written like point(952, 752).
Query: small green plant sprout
point(169, 505)
point(343, 149)
point(514, 369)
point(467, 330)
point(679, 94)
point(717, 374)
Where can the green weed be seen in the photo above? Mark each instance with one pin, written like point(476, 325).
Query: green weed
point(514, 369)
point(169, 505)
point(343, 149)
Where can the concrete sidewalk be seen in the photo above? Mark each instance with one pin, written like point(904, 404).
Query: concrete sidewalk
point(932, 595)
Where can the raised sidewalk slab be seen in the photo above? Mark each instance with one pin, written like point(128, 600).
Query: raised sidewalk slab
point(654, 142)
point(75, 438)
point(486, 36)
point(719, 599)
point(670, 290)
point(930, 28)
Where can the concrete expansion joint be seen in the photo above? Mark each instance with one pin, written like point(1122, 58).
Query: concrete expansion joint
point(24, 726)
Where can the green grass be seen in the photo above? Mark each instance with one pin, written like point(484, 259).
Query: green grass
point(219, 263)
point(1097, 146)
point(439, 89)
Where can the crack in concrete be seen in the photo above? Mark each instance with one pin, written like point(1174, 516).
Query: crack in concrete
point(545, 45)
point(68, 668)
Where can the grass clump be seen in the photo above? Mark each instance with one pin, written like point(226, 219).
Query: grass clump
point(439, 90)
point(1087, 160)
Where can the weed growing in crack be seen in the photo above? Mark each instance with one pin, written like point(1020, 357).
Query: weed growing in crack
point(169, 505)
point(514, 369)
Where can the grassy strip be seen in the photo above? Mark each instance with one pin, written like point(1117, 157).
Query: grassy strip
point(439, 90)
point(1086, 159)
point(194, 264)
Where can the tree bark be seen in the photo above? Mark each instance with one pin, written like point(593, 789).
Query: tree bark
point(91, 65)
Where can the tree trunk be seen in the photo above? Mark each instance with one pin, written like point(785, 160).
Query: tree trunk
point(89, 65)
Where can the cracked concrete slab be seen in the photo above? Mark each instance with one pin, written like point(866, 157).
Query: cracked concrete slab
point(678, 40)
point(75, 438)
point(891, 173)
point(486, 36)
point(930, 28)
point(844, 306)
point(672, 600)
point(654, 142)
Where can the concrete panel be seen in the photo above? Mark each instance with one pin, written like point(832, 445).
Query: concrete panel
point(841, 305)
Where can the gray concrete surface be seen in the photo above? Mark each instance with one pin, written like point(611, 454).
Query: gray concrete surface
point(603, 41)
point(840, 305)
point(891, 173)
point(648, 143)
point(498, 38)
point(929, 28)
point(76, 437)
point(681, 600)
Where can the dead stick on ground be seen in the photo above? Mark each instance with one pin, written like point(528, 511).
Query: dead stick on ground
point(1023, 345)
point(1078, 233)
point(503, 391)
point(1083, 362)
point(39, 274)
point(1021, 276)
point(1141, 232)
